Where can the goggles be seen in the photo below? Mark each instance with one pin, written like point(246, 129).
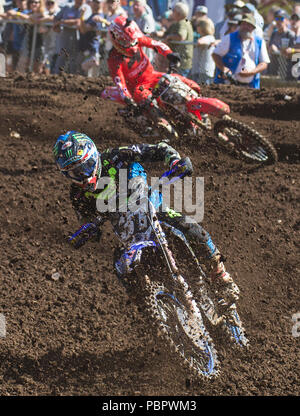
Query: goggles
point(84, 171)
point(126, 43)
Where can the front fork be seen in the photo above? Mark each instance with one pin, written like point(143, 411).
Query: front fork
point(175, 273)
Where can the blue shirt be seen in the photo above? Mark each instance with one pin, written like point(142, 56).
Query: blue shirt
point(91, 39)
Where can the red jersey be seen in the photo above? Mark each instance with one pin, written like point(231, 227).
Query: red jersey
point(129, 73)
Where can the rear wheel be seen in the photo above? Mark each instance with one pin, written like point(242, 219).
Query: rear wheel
point(184, 332)
point(244, 142)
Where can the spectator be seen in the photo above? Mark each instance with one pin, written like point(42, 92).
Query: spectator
point(283, 37)
point(89, 42)
point(129, 9)
point(222, 27)
point(49, 36)
point(13, 36)
point(181, 31)
point(145, 22)
point(251, 7)
point(164, 23)
point(243, 54)
point(161, 64)
point(233, 24)
point(67, 23)
point(239, 5)
point(270, 23)
point(295, 26)
point(199, 12)
point(35, 10)
point(203, 68)
point(112, 10)
point(188, 3)
point(296, 8)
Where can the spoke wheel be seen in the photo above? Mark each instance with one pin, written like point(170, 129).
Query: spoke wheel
point(185, 333)
point(245, 142)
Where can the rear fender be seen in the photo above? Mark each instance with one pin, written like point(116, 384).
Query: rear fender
point(212, 106)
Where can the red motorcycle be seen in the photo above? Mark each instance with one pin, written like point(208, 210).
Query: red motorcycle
point(189, 114)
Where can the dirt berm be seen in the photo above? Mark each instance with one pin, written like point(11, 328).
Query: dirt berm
point(81, 335)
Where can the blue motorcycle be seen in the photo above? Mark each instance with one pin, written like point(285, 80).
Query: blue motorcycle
point(163, 275)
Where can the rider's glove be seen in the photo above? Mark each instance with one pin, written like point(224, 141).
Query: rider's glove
point(85, 233)
point(174, 59)
point(130, 102)
point(132, 106)
point(183, 166)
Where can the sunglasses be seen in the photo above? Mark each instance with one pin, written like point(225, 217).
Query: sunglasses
point(279, 19)
point(34, 2)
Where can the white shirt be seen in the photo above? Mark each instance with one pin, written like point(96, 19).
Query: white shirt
point(248, 45)
point(259, 19)
point(248, 59)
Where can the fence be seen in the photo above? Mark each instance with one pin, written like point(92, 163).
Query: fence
point(33, 40)
point(280, 67)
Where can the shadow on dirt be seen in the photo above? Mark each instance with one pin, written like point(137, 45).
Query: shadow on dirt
point(59, 371)
point(288, 153)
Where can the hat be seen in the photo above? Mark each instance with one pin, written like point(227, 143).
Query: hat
point(143, 2)
point(248, 18)
point(250, 7)
point(235, 20)
point(280, 13)
point(201, 9)
point(239, 4)
point(165, 15)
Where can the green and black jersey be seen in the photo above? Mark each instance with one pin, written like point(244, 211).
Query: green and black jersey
point(84, 202)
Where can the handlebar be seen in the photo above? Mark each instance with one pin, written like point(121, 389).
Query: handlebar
point(172, 68)
point(91, 229)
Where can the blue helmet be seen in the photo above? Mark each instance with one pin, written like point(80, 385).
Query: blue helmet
point(78, 158)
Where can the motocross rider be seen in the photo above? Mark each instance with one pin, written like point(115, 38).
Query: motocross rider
point(77, 157)
point(134, 75)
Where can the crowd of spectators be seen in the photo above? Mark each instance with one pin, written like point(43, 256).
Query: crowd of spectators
point(71, 35)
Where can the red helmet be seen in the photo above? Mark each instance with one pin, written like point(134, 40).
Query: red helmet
point(124, 34)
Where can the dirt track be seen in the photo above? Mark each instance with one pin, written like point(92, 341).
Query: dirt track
point(81, 335)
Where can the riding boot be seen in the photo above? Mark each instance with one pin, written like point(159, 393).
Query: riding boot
point(165, 128)
point(226, 291)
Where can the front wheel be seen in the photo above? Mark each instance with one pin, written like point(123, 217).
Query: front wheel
point(184, 332)
point(244, 142)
